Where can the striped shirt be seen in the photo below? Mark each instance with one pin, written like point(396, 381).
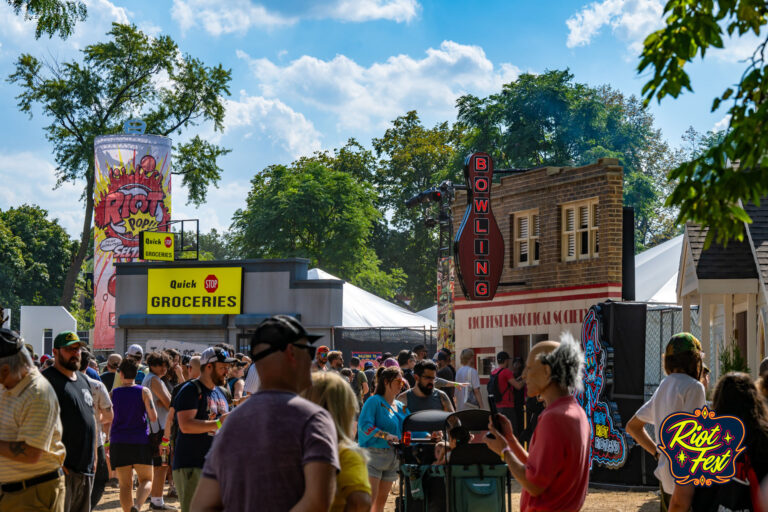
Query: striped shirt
point(252, 381)
point(29, 412)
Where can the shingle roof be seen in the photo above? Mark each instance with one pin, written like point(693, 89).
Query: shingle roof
point(758, 234)
point(735, 261)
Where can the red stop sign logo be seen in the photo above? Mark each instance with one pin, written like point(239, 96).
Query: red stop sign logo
point(211, 283)
point(168, 242)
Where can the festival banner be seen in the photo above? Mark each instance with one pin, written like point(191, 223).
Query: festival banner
point(132, 193)
point(364, 357)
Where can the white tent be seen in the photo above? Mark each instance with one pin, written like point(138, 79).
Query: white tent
point(656, 272)
point(655, 275)
point(364, 309)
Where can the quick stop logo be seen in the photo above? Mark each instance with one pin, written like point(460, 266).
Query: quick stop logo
point(211, 283)
point(133, 202)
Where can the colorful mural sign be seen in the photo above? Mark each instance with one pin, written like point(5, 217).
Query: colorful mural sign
point(609, 445)
point(366, 356)
point(446, 323)
point(479, 246)
point(702, 448)
point(132, 193)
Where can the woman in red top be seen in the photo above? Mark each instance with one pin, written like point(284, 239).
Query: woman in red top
point(554, 472)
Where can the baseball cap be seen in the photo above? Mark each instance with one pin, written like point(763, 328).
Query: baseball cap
point(135, 350)
point(682, 342)
point(10, 342)
point(44, 358)
point(215, 355)
point(323, 348)
point(367, 365)
point(66, 338)
point(501, 357)
point(278, 331)
point(391, 362)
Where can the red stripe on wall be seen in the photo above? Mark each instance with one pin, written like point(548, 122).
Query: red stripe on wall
point(548, 290)
point(561, 298)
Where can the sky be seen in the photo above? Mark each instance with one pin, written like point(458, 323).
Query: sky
point(307, 75)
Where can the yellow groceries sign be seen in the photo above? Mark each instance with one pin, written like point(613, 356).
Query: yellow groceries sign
point(195, 291)
point(155, 245)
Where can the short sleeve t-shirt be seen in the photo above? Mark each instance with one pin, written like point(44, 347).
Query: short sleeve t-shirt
point(101, 401)
point(108, 378)
point(353, 477)
point(558, 459)
point(506, 399)
point(447, 374)
point(78, 422)
point(466, 374)
point(191, 448)
point(678, 392)
point(29, 412)
point(279, 432)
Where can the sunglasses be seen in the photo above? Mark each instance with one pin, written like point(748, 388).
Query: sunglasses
point(308, 348)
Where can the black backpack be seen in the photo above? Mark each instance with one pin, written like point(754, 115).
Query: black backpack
point(175, 425)
point(493, 386)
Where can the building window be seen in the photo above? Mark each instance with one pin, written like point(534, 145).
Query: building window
point(580, 238)
point(47, 341)
point(526, 238)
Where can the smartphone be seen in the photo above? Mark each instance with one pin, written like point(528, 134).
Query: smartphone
point(494, 415)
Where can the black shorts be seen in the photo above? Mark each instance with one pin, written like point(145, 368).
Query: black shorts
point(124, 454)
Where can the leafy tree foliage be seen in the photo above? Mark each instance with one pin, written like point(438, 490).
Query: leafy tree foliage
point(114, 81)
point(309, 209)
point(550, 119)
point(412, 158)
point(52, 16)
point(35, 252)
point(710, 188)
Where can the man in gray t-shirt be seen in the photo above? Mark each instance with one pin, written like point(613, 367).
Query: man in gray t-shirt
point(276, 450)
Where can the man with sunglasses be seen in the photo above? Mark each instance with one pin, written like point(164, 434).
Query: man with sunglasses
point(292, 440)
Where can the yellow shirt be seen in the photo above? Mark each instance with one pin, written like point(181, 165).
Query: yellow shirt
point(29, 412)
point(352, 477)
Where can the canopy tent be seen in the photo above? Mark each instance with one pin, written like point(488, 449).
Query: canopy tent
point(655, 275)
point(364, 309)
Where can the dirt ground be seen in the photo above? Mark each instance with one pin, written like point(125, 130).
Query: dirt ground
point(597, 500)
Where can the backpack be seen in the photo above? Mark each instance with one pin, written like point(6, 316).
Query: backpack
point(356, 383)
point(493, 386)
point(742, 492)
point(175, 424)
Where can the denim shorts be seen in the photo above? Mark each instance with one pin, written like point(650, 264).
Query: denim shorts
point(382, 464)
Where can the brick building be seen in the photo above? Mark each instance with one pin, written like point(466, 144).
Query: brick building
point(562, 229)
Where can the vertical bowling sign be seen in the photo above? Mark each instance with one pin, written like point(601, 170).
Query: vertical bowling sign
point(132, 193)
point(479, 246)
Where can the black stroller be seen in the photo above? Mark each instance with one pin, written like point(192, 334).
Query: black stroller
point(472, 476)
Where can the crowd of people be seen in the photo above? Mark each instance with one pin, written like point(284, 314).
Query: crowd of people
point(290, 427)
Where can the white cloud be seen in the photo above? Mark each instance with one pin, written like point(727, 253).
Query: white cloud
point(33, 180)
point(722, 124)
point(360, 96)
point(630, 20)
point(220, 204)
point(737, 48)
point(227, 16)
point(273, 120)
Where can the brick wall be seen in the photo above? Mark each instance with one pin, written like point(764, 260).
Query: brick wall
point(546, 189)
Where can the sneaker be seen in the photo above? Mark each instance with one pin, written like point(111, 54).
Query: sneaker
point(112, 482)
point(164, 506)
point(134, 509)
point(172, 493)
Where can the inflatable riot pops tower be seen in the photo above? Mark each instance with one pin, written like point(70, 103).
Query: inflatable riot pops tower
point(132, 193)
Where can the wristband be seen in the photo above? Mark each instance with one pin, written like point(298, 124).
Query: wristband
point(106, 444)
point(505, 450)
point(165, 440)
point(218, 424)
point(165, 443)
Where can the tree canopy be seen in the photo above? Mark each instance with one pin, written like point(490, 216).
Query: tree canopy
point(52, 16)
point(312, 210)
point(35, 252)
point(710, 188)
point(115, 81)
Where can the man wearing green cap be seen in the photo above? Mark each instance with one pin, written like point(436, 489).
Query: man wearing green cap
point(78, 419)
point(680, 391)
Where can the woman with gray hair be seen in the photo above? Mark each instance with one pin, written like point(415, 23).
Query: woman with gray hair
point(31, 451)
point(554, 472)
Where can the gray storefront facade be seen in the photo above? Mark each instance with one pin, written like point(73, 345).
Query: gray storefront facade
point(268, 287)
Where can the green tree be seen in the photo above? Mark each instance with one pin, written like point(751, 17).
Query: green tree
point(709, 188)
point(550, 119)
point(413, 158)
point(35, 252)
point(310, 210)
point(116, 80)
point(52, 16)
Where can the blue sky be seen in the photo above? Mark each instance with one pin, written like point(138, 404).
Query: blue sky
point(307, 75)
